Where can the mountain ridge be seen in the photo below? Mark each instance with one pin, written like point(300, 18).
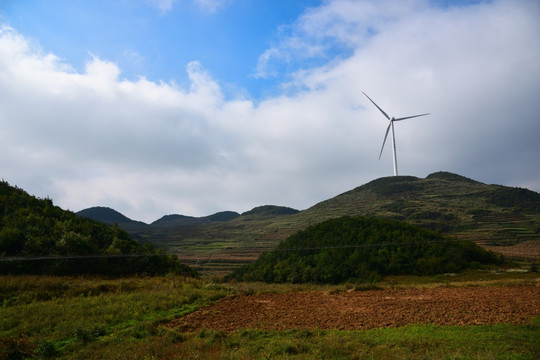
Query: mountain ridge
point(490, 215)
point(383, 186)
point(184, 220)
point(110, 216)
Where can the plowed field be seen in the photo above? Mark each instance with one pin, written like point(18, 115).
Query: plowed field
point(355, 310)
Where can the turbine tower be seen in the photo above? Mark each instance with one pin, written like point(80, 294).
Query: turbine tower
point(391, 125)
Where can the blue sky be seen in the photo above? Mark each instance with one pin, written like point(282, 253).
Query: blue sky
point(156, 107)
point(156, 39)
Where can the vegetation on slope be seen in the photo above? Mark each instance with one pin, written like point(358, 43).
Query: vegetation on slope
point(105, 215)
point(448, 176)
point(270, 210)
point(32, 227)
point(176, 220)
point(490, 215)
point(518, 198)
point(363, 249)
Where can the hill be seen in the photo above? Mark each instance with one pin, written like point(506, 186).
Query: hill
point(38, 237)
point(110, 216)
point(502, 218)
point(363, 249)
point(107, 215)
point(270, 210)
point(182, 220)
point(448, 202)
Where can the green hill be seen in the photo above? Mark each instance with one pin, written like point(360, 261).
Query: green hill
point(363, 249)
point(38, 237)
point(490, 215)
point(176, 220)
point(106, 215)
point(444, 201)
point(270, 210)
point(183, 220)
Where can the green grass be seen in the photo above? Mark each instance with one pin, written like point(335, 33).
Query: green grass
point(97, 318)
point(72, 314)
point(409, 342)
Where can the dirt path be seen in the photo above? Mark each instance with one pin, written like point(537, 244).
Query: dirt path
point(368, 309)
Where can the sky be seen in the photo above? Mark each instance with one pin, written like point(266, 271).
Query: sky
point(156, 107)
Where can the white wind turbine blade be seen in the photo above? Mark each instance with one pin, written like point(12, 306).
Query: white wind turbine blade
point(381, 110)
point(391, 125)
point(384, 141)
point(410, 117)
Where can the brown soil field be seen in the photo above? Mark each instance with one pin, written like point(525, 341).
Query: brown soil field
point(528, 250)
point(220, 263)
point(355, 310)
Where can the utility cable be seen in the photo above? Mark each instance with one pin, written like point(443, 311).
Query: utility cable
point(53, 257)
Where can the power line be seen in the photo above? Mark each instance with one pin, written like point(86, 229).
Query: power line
point(101, 256)
point(368, 245)
point(53, 257)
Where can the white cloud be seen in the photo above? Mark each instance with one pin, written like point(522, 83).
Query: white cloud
point(163, 5)
point(209, 6)
point(150, 148)
point(323, 31)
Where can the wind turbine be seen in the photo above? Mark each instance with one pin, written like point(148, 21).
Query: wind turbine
point(391, 125)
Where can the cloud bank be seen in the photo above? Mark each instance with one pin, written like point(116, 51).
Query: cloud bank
point(150, 148)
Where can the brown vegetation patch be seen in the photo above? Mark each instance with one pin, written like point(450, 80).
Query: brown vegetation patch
point(354, 310)
point(219, 263)
point(529, 250)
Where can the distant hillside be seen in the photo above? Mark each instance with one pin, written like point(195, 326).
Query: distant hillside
point(32, 227)
point(223, 216)
point(270, 210)
point(443, 201)
point(448, 176)
point(105, 215)
point(182, 220)
point(110, 216)
point(176, 220)
point(491, 215)
point(363, 249)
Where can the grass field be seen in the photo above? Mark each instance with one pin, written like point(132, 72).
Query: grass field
point(96, 318)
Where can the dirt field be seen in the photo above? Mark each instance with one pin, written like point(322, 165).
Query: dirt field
point(354, 310)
